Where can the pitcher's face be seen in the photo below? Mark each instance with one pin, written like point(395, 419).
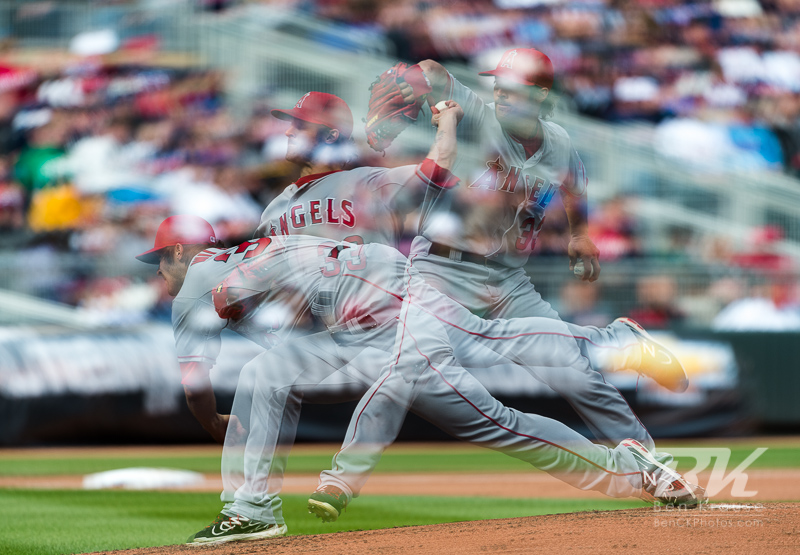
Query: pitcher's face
point(172, 271)
point(303, 140)
point(514, 104)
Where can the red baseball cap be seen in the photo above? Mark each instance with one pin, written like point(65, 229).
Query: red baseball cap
point(527, 66)
point(322, 109)
point(186, 230)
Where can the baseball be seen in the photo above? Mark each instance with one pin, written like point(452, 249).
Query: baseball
point(578, 268)
point(441, 105)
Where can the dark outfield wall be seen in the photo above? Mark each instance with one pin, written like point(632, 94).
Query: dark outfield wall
point(124, 386)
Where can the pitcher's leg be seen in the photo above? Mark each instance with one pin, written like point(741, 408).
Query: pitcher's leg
point(599, 404)
point(419, 341)
point(547, 350)
point(269, 402)
point(456, 402)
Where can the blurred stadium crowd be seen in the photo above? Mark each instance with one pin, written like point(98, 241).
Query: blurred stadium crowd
point(94, 153)
point(727, 72)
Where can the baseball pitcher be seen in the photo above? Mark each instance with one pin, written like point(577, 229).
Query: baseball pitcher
point(367, 204)
point(367, 295)
point(318, 364)
point(475, 239)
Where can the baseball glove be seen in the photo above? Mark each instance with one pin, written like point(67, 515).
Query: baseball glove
point(237, 296)
point(388, 112)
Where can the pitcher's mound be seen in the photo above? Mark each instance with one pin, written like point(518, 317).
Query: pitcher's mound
point(717, 528)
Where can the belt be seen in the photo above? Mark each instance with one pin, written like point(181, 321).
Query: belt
point(437, 249)
point(355, 325)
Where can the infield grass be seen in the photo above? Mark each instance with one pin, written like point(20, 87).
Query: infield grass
point(42, 522)
point(398, 458)
point(47, 522)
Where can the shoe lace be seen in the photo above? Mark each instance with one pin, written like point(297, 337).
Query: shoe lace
point(220, 518)
point(649, 481)
point(234, 521)
point(226, 522)
point(330, 490)
point(668, 487)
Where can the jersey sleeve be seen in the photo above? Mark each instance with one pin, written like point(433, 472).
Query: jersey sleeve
point(399, 188)
point(270, 217)
point(473, 105)
point(433, 175)
point(576, 182)
point(197, 329)
point(264, 224)
point(194, 374)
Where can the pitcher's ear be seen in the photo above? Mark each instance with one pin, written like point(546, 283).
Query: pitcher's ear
point(540, 93)
point(332, 136)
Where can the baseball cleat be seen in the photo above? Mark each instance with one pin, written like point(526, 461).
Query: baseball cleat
point(660, 483)
point(235, 529)
point(327, 502)
point(658, 362)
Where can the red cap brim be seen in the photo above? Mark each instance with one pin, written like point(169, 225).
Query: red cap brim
point(289, 115)
point(152, 256)
point(506, 75)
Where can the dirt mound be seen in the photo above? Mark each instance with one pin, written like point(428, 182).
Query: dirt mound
point(717, 528)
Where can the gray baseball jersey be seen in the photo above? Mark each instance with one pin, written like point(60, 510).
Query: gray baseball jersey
point(501, 206)
point(363, 205)
point(396, 330)
point(299, 280)
point(195, 323)
point(366, 205)
point(475, 238)
point(369, 291)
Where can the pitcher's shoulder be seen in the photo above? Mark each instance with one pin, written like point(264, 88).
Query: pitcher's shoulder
point(555, 129)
